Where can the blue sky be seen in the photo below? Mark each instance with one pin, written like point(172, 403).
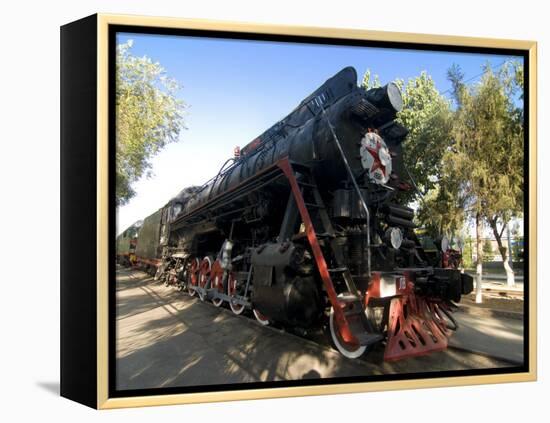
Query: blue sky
point(236, 89)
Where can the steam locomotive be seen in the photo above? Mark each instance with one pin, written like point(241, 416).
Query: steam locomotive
point(304, 228)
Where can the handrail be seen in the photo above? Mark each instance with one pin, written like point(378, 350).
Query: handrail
point(359, 194)
point(222, 171)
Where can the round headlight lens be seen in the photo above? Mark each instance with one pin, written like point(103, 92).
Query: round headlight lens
point(394, 95)
point(396, 237)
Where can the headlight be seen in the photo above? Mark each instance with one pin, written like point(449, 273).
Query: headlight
point(387, 97)
point(394, 96)
point(444, 243)
point(395, 236)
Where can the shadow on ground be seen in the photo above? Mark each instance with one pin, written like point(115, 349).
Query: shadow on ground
point(50, 387)
point(168, 339)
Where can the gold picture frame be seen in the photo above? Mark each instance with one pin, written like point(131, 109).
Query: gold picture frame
point(100, 265)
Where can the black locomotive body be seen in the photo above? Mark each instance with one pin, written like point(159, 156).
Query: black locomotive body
point(304, 226)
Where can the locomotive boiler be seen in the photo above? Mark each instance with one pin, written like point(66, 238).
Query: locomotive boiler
point(304, 227)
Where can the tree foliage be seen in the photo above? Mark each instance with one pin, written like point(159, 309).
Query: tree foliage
point(487, 154)
point(370, 81)
point(488, 252)
point(467, 252)
point(149, 115)
point(428, 116)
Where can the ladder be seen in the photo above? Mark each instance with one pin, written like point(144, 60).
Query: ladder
point(348, 308)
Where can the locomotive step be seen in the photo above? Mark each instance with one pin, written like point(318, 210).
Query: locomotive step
point(317, 206)
point(325, 235)
point(348, 298)
point(338, 270)
point(360, 328)
point(307, 184)
point(366, 338)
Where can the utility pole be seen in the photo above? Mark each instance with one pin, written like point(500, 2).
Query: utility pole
point(510, 280)
point(479, 259)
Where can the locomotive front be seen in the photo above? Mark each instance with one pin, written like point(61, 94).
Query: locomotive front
point(305, 228)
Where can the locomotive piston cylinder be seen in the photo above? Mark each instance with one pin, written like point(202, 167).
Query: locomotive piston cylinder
point(281, 290)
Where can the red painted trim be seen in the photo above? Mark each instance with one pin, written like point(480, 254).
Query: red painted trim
point(420, 331)
point(217, 270)
point(194, 267)
point(205, 270)
point(346, 333)
point(373, 291)
point(251, 146)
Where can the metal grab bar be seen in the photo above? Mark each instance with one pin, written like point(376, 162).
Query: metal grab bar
point(359, 194)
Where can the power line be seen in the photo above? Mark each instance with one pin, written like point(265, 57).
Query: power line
point(494, 67)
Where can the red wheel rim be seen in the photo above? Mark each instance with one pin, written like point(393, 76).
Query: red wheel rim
point(216, 276)
point(204, 274)
point(193, 275)
point(260, 317)
point(231, 291)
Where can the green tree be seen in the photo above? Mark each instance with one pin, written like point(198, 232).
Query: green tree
point(149, 115)
point(517, 243)
point(427, 116)
point(369, 81)
point(467, 253)
point(441, 210)
point(517, 249)
point(487, 153)
point(488, 252)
